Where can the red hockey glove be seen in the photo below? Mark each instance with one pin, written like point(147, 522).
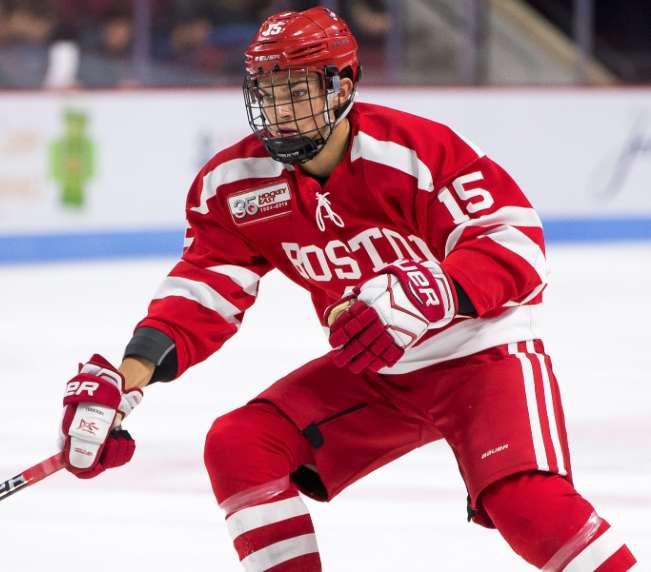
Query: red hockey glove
point(92, 402)
point(392, 312)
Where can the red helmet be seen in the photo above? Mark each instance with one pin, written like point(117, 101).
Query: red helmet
point(315, 38)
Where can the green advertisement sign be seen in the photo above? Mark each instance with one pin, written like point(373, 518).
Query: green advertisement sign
point(72, 160)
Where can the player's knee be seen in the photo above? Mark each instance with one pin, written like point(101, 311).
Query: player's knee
point(250, 446)
point(226, 439)
point(509, 498)
point(529, 493)
point(536, 513)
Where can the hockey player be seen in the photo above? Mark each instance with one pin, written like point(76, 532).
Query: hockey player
point(427, 265)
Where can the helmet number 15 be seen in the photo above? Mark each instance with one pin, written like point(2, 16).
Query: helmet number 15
point(466, 197)
point(274, 29)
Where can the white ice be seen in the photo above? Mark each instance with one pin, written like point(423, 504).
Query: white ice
point(158, 512)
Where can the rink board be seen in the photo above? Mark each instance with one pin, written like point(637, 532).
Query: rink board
point(90, 174)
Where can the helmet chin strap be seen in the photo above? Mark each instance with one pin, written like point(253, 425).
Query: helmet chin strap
point(326, 114)
point(347, 107)
point(330, 126)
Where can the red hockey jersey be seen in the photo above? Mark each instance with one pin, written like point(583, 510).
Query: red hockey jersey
point(407, 188)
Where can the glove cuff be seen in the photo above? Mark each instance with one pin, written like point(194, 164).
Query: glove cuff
point(122, 400)
point(100, 367)
point(129, 400)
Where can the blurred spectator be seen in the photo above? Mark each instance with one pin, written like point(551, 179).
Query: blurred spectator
point(211, 35)
point(4, 23)
point(79, 16)
point(117, 33)
point(107, 55)
point(106, 59)
point(235, 24)
point(370, 22)
point(188, 34)
point(28, 28)
point(31, 21)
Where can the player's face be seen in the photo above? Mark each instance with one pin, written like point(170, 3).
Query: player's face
point(293, 104)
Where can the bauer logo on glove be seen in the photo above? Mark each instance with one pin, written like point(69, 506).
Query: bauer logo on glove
point(374, 323)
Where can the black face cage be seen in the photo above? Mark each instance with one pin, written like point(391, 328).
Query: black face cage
point(300, 137)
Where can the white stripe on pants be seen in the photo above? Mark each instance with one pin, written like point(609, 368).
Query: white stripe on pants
point(536, 423)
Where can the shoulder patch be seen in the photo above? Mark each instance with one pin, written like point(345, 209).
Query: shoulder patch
point(256, 205)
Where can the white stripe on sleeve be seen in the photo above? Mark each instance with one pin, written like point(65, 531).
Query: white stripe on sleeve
point(549, 406)
point(200, 293)
point(595, 554)
point(254, 517)
point(280, 552)
point(236, 170)
point(532, 406)
point(520, 244)
point(243, 277)
point(470, 144)
point(537, 290)
point(392, 155)
point(513, 216)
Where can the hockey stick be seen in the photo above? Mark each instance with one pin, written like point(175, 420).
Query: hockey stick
point(32, 475)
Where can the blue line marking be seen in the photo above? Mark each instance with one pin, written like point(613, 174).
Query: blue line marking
point(595, 230)
point(103, 245)
point(92, 245)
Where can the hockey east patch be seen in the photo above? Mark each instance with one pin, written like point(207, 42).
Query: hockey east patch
point(255, 205)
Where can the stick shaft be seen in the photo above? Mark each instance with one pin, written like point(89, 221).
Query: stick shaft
point(32, 475)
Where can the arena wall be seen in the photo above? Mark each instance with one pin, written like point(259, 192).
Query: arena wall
point(104, 173)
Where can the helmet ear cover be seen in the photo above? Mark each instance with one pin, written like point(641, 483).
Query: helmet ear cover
point(331, 80)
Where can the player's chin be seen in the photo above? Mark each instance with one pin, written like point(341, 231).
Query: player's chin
point(311, 132)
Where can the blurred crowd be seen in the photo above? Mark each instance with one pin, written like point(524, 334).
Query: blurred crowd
point(100, 43)
point(127, 43)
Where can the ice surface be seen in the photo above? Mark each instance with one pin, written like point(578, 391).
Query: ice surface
point(158, 512)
